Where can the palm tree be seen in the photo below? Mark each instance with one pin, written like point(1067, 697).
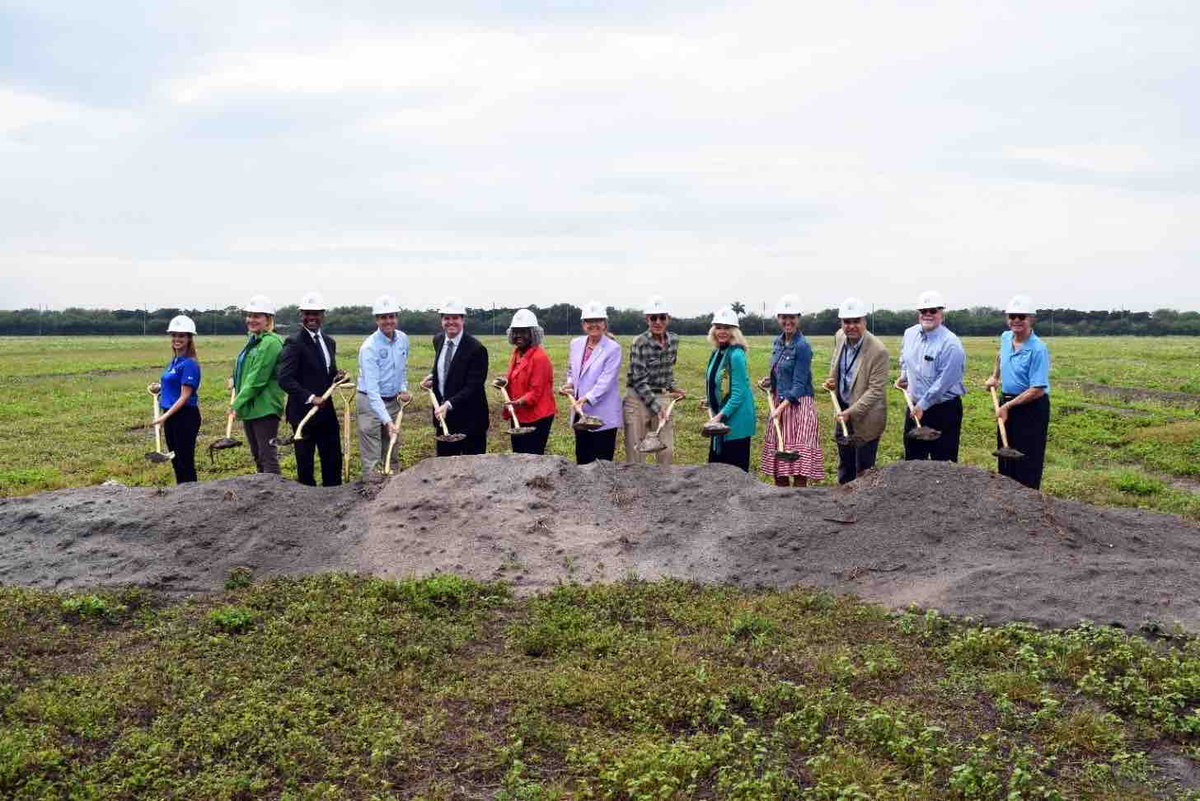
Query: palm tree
point(738, 307)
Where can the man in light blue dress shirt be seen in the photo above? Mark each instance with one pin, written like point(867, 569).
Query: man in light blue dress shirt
point(932, 366)
point(382, 384)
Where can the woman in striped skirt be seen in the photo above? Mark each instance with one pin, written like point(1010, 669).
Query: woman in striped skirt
point(791, 384)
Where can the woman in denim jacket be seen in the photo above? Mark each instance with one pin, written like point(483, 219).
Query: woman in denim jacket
point(791, 387)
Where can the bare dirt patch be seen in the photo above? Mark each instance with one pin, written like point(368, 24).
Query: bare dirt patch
point(958, 539)
point(1186, 400)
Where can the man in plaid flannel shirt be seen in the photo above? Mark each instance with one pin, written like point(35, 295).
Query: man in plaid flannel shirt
point(651, 382)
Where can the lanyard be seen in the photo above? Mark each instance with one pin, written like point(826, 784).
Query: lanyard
point(847, 366)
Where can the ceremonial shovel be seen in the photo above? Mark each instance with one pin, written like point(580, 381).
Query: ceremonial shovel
point(919, 432)
point(157, 456)
point(227, 441)
point(516, 429)
point(583, 422)
point(281, 442)
point(651, 442)
point(387, 460)
point(844, 439)
point(780, 453)
point(346, 439)
point(445, 436)
point(1004, 452)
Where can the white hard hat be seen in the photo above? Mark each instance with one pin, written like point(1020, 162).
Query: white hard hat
point(453, 305)
point(385, 304)
point(851, 308)
point(312, 301)
point(656, 305)
point(788, 304)
point(594, 310)
point(726, 316)
point(524, 318)
point(930, 299)
point(181, 324)
point(260, 304)
point(1021, 304)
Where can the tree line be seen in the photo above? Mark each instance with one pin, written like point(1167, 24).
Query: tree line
point(563, 318)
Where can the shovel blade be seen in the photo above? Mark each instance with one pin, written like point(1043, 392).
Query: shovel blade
point(651, 445)
point(521, 431)
point(846, 441)
point(715, 431)
point(1008, 453)
point(451, 437)
point(158, 458)
point(787, 456)
point(224, 444)
point(923, 433)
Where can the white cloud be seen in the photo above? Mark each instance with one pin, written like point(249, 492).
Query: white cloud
point(1113, 159)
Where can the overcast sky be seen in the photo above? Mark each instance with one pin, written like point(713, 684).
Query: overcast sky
point(194, 153)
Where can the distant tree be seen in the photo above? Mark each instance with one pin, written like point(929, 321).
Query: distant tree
point(738, 307)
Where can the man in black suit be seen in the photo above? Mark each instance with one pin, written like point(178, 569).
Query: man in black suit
point(460, 365)
point(306, 369)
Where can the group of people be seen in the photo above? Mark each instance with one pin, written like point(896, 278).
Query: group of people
point(274, 377)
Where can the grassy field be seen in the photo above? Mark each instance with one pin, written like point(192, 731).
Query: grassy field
point(71, 412)
point(342, 687)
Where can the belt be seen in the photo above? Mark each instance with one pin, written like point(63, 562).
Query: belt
point(385, 398)
point(1004, 396)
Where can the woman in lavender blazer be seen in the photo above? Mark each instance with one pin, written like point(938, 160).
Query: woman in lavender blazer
point(593, 368)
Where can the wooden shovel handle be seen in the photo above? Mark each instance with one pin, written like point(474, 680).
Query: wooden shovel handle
point(231, 415)
point(339, 380)
point(512, 410)
point(157, 426)
point(837, 409)
point(999, 422)
point(433, 399)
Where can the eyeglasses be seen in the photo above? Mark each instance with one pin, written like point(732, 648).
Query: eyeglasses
point(1017, 316)
point(928, 311)
point(852, 321)
point(595, 322)
point(657, 318)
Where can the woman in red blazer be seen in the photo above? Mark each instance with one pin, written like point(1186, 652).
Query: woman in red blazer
point(530, 383)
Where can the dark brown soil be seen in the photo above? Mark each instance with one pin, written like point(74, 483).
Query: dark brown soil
point(942, 536)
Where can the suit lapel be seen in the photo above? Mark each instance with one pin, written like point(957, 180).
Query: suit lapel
point(595, 357)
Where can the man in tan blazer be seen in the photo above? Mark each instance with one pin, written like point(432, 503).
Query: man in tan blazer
point(858, 373)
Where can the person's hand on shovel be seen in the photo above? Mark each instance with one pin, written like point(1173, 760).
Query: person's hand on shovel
point(405, 398)
point(427, 382)
point(442, 410)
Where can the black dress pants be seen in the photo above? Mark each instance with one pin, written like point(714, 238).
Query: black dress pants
point(1028, 425)
point(593, 445)
point(535, 442)
point(733, 451)
point(322, 436)
point(181, 429)
point(945, 417)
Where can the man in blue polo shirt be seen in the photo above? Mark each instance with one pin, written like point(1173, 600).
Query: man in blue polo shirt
point(932, 365)
point(382, 384)
point(1023, 374)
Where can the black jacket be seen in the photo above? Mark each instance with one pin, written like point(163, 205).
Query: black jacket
point(464, 384)
point(302, 373)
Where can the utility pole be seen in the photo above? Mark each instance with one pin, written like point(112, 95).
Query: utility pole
point(764, 318)
point(493, 318)
point(145, 314)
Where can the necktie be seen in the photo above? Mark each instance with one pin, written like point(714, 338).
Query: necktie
point(446, 363)
point(324, 351)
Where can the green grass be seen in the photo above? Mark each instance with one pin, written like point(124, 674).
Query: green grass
point(342, 687)
point(70, 408)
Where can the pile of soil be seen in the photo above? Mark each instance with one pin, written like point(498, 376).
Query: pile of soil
point(942, 536)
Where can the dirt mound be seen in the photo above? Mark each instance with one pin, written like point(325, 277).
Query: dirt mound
point(958, 539)
point(182, 539)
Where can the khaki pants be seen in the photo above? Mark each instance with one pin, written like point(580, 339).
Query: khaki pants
point(372, 434)
point(640, 421)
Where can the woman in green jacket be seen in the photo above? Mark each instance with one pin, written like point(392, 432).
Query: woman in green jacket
point(727, 385)
point(259, 399)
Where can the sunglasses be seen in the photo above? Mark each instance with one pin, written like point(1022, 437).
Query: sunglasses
point(852, 321)
point(657, 318)
point(1017, 316)
point(928, 311)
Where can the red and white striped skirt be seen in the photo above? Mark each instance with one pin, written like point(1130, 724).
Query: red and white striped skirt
point(801, 434)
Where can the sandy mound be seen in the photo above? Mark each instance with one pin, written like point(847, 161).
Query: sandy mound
point(958, 539)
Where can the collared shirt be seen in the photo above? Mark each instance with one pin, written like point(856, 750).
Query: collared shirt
point(652, 367)
point(934, 364)
point(848, 367)
point(383, 370)
point(1024, 368)
point(181, 372)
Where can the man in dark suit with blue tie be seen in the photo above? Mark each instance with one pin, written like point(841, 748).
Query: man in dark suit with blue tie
point(306, 370)
point(460, 364)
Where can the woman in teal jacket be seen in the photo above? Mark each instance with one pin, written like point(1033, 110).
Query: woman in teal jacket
point(259, 400)
point(727, 388)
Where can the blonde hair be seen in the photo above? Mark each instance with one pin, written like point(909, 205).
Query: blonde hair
point(736, 338)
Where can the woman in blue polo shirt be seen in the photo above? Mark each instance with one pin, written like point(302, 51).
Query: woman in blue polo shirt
point(179, 399)
point(1023, 374)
